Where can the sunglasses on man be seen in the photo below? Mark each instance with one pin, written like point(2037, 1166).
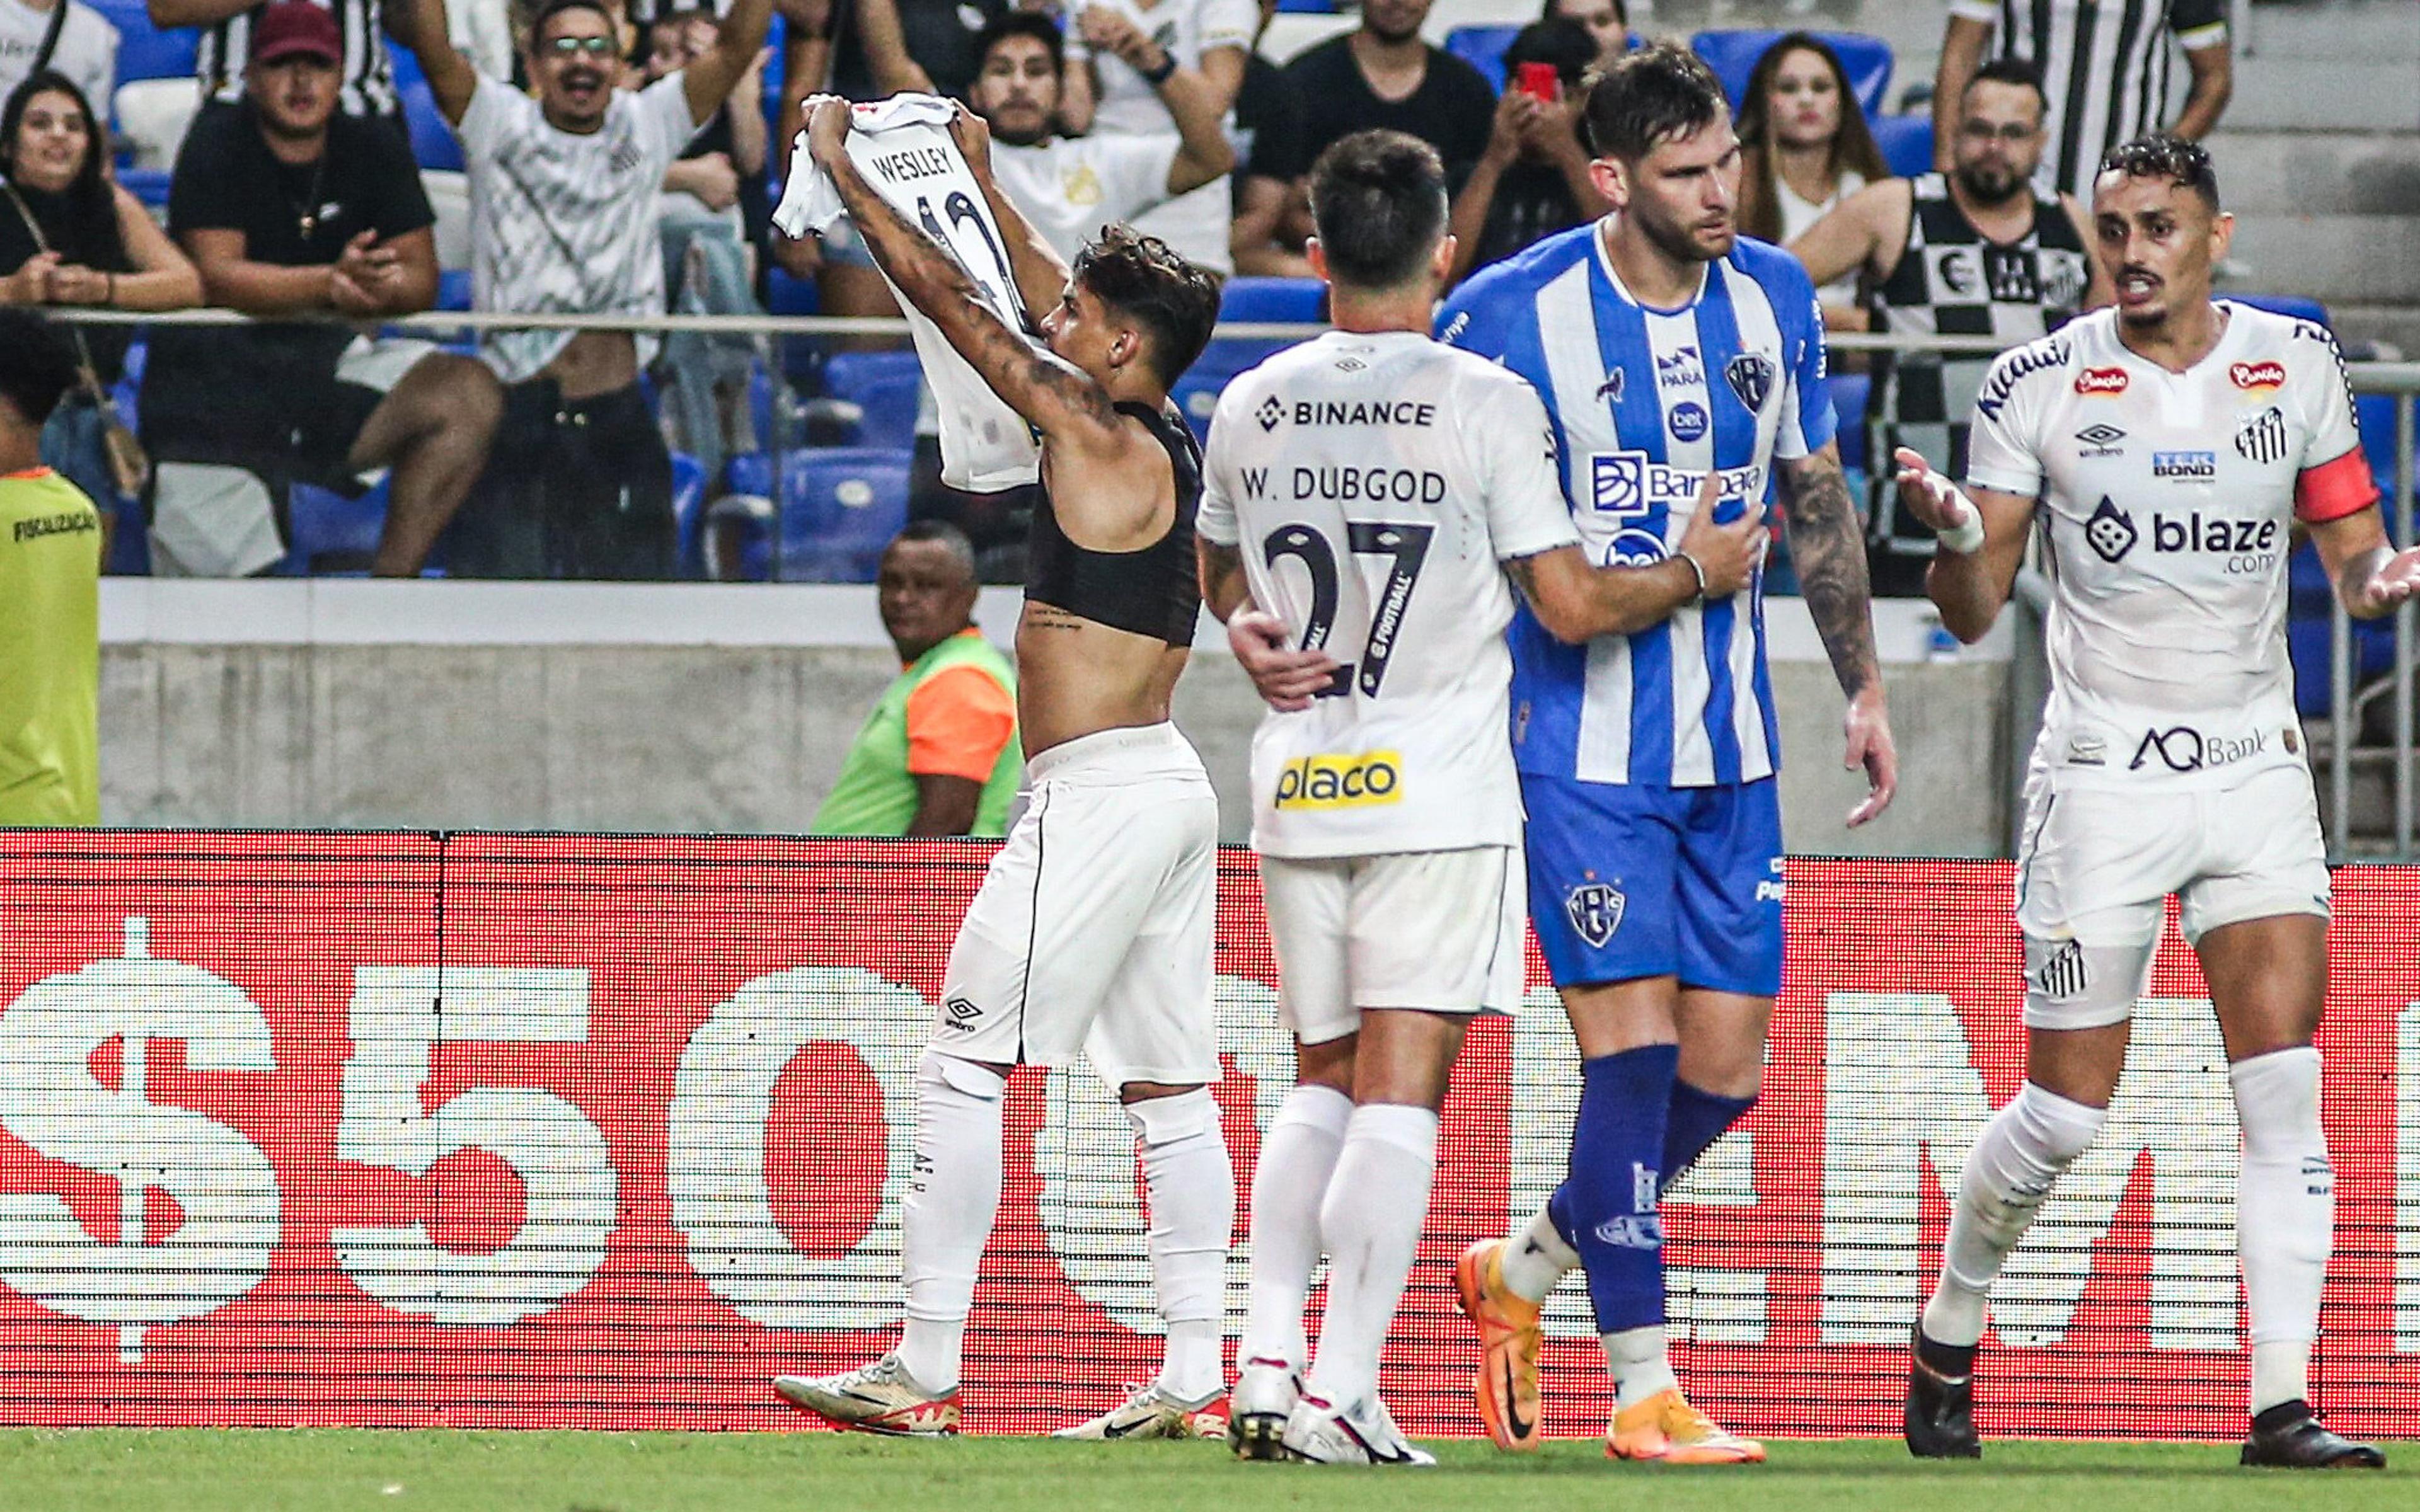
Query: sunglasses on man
point(566, 47)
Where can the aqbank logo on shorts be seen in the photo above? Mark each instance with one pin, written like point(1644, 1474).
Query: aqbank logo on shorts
point(1340, 781)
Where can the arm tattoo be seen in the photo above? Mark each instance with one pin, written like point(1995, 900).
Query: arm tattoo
point(1222, 568)
point(1829, 551)
point(930, 275)
point(1524, 573)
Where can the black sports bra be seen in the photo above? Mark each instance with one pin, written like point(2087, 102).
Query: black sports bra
point(1153, 591)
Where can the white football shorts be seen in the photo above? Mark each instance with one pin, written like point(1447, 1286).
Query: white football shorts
point(1438, 931)
point(1093, 928)
point(2096, 865)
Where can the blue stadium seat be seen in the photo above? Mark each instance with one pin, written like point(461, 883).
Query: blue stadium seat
point(787, 295)
point(144, 51)
point(1906, 142)
point(150, 185)
point(839, 506)
point(432, 141)
point(1306, 8)
point(689, 499)
point(2300, 307)
point(1733, 55)
point(1248, 297)
point(1850, 393)
point(1196, 394)
point(2307, 613)
point(453, 288)
point(1483, 48)
point(885, 385)
point(328, 533)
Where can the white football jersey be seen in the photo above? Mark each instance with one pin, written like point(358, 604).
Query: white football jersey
point(1373, 483)
point(2167, 504)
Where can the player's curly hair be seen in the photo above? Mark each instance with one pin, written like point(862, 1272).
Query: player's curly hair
point(1641, 97)
point(2160, 155)
point(1144, 279)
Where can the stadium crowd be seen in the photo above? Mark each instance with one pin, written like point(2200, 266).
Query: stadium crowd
point(329, 165)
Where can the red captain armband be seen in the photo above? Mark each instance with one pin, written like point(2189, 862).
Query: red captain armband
point(2334, 489)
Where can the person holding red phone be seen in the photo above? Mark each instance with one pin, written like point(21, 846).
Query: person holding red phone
point(1533, 178)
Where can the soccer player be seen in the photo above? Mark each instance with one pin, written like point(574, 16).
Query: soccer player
point(1667, 348)
point(1360, 491)
point(1093, 927)
point(2170, 448)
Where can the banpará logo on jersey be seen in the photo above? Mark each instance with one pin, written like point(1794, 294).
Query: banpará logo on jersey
point(2258, 378)
point(1595, 910)
point(1682, 370)
point(2013, 367)
point(2101, 441)
point(2103, 380)
point(1271, 413)
point(1751, 376)
point(1627, 485)
point(2262, 438)
point(2183, 748)
point(2185, 467)
point(1341, 781)
point(1688, 422)
point(2110, 532)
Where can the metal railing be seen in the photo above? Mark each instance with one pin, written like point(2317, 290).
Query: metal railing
point(2345, 702)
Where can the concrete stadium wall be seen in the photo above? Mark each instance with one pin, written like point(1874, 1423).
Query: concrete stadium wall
point(698, 708)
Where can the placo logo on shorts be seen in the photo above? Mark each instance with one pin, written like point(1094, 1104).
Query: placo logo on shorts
point(2100, 380)
point(1626, 484)
point(1341, 781)
point(2257, 377)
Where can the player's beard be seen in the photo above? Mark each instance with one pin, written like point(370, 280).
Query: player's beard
point(1683, 245)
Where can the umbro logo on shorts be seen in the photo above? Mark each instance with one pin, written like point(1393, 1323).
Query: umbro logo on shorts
point(962, 1012)
point(1595, 912)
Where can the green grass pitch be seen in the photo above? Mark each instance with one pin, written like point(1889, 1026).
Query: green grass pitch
point(305, 1470)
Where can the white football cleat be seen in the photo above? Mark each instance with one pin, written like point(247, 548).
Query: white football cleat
point(1151, 1413)
point(1264, 1394)
point(881, 1398)
point(1361, 1434)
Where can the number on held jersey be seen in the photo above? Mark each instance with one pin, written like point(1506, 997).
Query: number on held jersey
point(1409, 545)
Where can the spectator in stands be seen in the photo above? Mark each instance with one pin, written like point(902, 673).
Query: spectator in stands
point(1607, 22)
point(69, 235)
point(1533, 179)
point(1272, 217)
point(51, 546)
point(939, 755)
point(85, 50)
point(289, 207)
point(1804, 147)
point(564, 197)
point(1973, 252)
point(831, 48)
point(2107, 63)
point(1383, 75)
point(711, 215)
point(1066, 188)
point(367, 87)
point(1123, 52)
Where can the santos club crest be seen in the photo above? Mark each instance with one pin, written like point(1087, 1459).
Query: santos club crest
point(1750, 375)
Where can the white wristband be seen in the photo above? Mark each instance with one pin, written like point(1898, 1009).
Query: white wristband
point(1966, 537)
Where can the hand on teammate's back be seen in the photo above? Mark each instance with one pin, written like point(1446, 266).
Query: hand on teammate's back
point(1726, 555)
point(1286, 679)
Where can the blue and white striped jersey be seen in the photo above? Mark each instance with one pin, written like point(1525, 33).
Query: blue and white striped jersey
point(1643, 402)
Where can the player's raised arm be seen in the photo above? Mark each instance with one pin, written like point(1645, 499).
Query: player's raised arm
point(1039, 271)
point(708, 81)
point(1048, 393)
point(1982, 543)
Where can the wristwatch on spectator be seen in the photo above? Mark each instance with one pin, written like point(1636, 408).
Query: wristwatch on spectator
point(1156, 77)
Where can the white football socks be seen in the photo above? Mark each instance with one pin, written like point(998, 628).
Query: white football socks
point(1535, 1258)
point(2285, 1217)
point(946, 1218)
point(2007, 1174)
point(1377, 1203)
point(1639, 1363)
point(1297, 1156)
point(1192, 1195)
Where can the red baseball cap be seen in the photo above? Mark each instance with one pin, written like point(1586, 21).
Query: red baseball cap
point(291, 28)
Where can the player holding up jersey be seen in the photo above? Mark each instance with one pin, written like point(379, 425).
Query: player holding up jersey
point(2169, 447)
point(1360, 492)
point(1669, 350)
point(1092, 930)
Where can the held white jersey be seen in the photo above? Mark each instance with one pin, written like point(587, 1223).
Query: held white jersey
point(2167, 501)
point(1373, 483)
